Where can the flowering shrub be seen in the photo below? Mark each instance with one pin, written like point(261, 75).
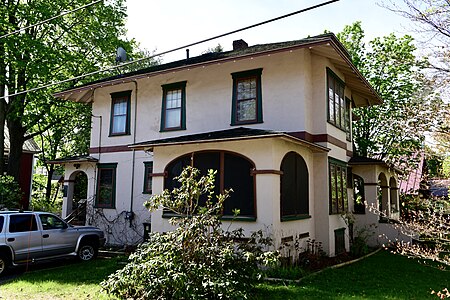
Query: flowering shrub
point(197, 260)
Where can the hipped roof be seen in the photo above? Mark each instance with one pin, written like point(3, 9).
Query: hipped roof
point(326, 45)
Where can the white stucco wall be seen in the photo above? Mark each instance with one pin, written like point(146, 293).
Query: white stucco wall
point(293, 100)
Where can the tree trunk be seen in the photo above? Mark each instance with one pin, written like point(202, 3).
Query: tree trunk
point(16, 141)
point(48, 187)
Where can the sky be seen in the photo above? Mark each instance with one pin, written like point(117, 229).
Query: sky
point(162, 25)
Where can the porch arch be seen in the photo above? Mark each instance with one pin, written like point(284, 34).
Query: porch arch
point(383, 196)
point(75, 191)
point(394, 201)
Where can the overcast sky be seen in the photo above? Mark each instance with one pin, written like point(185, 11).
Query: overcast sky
point(163, 25)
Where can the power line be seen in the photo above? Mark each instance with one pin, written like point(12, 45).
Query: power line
point(173, 50)
point(50, 19)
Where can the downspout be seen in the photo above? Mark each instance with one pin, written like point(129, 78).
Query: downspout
point(99, 154)
point(133, 162)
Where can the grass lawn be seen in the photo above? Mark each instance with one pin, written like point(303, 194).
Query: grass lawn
point(70, 280)
point(380, 276)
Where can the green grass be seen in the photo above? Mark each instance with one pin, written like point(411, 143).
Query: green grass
point(380, 276)
point(68, 281)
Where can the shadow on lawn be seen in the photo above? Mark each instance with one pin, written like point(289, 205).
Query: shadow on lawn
point(65, 271)
point(381, 276)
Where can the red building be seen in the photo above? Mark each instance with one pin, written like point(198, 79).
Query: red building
point(30, 148)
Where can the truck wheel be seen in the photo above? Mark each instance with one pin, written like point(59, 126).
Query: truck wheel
point(4, 263)
point(87, 252)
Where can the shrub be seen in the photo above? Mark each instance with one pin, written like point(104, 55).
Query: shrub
point(197, 260)
point(10, 193)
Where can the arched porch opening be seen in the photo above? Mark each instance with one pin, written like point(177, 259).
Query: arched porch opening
point(75, 191)
point(383, 197)
point(394, 200)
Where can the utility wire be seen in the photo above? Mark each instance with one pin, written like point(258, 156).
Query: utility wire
point(175, 49)
point(50, 19)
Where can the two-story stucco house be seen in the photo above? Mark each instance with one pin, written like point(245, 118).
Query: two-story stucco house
point(274, 120)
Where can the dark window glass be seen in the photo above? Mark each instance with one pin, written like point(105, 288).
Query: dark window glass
point(232, 172)
point(1, 223)
point(237, 176)
point(120, 113)
point(106, 186)
point(294, 186)
point(358, 195)
point(22, 223)
point(339, 241)
point(338, 188)
point(174, 169)
point(51, 222)
point(348, 128)
point(338, 105)
point(148, 173)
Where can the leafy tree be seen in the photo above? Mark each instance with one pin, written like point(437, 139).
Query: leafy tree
point(197, 260)
point(10, 193)
point(68, 46)
point(395, 129)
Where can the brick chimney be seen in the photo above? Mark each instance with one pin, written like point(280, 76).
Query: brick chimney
point(239, 45)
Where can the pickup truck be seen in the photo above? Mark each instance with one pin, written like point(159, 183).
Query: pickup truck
point(34, 236)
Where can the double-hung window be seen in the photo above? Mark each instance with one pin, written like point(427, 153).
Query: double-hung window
point(173, 116)
point(338, 109)
point(120, 113)
point(247, 100)
point(338, 187)
point(106, 186)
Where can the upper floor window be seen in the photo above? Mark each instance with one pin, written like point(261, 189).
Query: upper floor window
point(120, 113)
point(247, 100)
point(173, 115)
point(348, 128)
point(106, 186)
point(148, 174)
point(233, 172)
point(337, 106)
point(338, 187)
point(294, 187)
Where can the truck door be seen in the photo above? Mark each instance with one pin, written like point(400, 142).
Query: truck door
point(57, 237)
point(24, 237)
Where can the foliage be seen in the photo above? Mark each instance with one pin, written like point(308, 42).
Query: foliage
point(68, 46)
point(198, 259)
point(394, 71)
point(446, 167)
point(10, 194)
point(218, 48)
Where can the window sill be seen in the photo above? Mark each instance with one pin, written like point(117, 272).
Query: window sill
point(238, 218)
point(105, 207)
point(119, 134)
point(293, 218)
point(225, 218)
point(246, 123)
point(171, 129)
